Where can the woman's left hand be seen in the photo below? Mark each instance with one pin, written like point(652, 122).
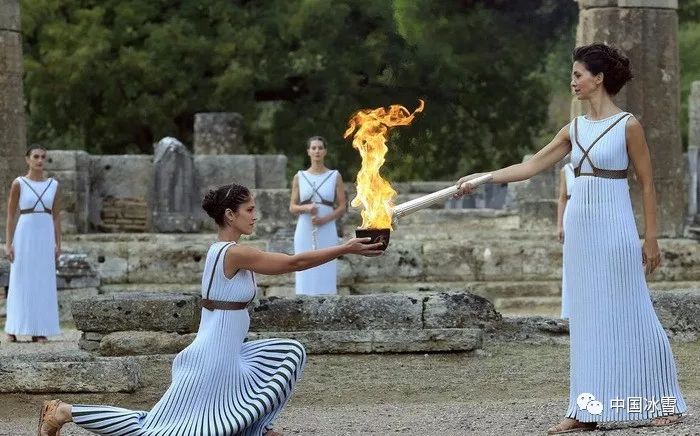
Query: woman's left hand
point(318, 220)
point(651, 255)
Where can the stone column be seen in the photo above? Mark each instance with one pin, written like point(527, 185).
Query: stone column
point(12, 127)
point(693, 152)
point(218, 133)
point(647, 31)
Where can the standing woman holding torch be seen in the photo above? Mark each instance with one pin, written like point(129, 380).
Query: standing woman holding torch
point(619, 349)
point(315, 194)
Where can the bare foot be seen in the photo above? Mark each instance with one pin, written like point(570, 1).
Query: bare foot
point(10, 338)
point(273, 433)
point(40, 339)
point(570, 425)
point(666, 420)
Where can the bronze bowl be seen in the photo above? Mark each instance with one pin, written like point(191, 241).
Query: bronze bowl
point(377, 235)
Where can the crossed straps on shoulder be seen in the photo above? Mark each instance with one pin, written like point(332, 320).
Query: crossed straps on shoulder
point(316, 188)
point(595, 171)
point(38, 199)
point(208, 304)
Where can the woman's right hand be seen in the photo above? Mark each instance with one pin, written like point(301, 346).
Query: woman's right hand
point(311, 208)
point(560, 234)
point(362, 246)
point(10, 252)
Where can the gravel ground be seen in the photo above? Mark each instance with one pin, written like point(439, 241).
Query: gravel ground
point(509, 389)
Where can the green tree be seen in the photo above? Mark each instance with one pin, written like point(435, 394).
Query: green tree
point(113, 76)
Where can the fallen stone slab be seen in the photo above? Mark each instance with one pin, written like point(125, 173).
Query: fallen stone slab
point(169, 312)
point(382, 341)
point(139, 343)
point(679, 312)
point(70, 372)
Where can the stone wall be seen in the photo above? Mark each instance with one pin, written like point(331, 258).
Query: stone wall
point(92, 183)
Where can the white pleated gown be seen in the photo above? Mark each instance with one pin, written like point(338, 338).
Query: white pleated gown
point(221, 386)
point(619, 350)
point(32, 301)
point(568, 170)
point(320, 280)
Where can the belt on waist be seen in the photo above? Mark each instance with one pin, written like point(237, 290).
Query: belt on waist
point(602, 173)
point(27, 211)
point(222, 305)
point(327, 203)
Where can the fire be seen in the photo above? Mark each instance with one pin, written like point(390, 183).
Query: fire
point(373, 192)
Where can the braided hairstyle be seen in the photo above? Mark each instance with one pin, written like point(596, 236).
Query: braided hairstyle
point(602, 58)
point(216, 201)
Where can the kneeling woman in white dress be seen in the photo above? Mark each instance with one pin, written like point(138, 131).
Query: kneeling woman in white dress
point(32, 246)
point(315, 194)
point(221, 385)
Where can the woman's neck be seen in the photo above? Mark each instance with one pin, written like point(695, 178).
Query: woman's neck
point(600, 107)
point(229, 234)
point(36, 175)
point(317, 168)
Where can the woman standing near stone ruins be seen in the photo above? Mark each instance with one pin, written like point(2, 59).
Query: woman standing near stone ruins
point(33, 244)
point(315, 193)
point(566, 183)
point(220, 385)
point(622, 367)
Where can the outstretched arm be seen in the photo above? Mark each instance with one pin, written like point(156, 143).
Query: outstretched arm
point(548, 155)
point(243, 257)
point(638, 151)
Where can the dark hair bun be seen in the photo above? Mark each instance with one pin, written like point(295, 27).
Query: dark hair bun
point(602, 58)
point(216, 201)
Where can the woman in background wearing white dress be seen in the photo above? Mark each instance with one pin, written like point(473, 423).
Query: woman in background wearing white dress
point(33, 244)
point(618, 348)
point(221, 385)
point(566, 184)
point(318, 198)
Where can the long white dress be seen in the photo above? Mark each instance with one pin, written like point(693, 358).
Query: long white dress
point(568, 170)
point(319, 189)
point(32, 302)
point(221, 386)
point(620, 354)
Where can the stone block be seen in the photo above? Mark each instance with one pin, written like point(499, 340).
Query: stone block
point(174, 262)
point(458, 310)
point(66, 297)
point(271, 171)
point(130, 343)
point(168, 312)
point(381, 341)
point(175, 196)
point(403, 260)
point(679, 312)
point(76, 372)
point(352, 312)
point(538, 214)
point(218, 133)
point(119, 176)
point(214, 171)
point(273, 211)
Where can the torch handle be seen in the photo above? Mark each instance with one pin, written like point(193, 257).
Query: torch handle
point(419, 203)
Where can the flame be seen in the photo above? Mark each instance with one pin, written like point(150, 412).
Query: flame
point(373, 192)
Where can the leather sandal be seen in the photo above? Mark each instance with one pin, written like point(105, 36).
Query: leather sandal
point(575, 427)
point(48, 417)
point(663, 421)
point(11, 338)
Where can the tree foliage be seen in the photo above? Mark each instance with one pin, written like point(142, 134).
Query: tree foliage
point(113, 76)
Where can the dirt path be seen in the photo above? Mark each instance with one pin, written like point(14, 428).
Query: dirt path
point(511, 389)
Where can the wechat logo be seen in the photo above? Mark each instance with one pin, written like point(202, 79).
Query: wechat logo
point(587, 401)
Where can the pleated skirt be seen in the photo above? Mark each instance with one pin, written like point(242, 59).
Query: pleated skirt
point(220, 386)
point(32, 300)
point(622, 367)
